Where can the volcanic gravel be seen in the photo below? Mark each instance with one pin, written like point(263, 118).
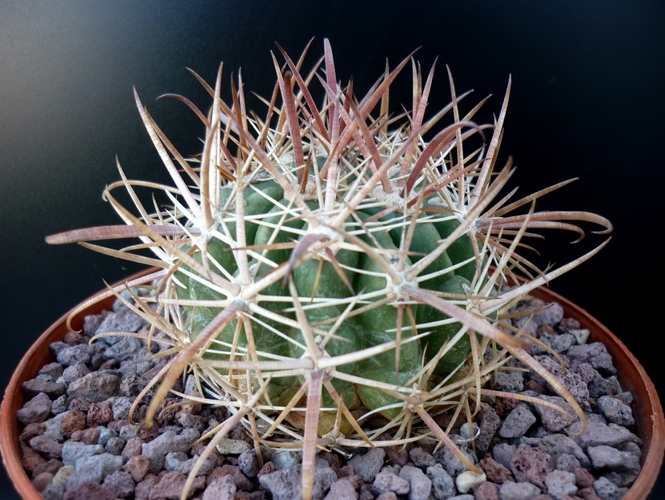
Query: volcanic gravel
point(79, 444)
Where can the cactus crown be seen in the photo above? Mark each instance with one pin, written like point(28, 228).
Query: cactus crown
point(329, 276)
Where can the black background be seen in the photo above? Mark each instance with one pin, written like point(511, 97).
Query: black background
point(588, 101)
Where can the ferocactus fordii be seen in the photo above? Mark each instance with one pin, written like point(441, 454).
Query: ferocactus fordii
point(331, 277)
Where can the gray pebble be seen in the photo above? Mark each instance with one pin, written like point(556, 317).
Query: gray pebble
point(598, 434)
point(286, 458)
point(285, 484)
point(600, 386)
point(59, 405)
point(453, 465)
point(105, 434)
point(509, 381)
point(503, 453)
point(94, 469)
point(554, 420)
point(560, 483)
point(615, 410)
point(606, 457)
point(125, 322)
point(128, 432)
point(75, 372)
point(596, 354)
point(518, 491)
point(121, 407)
point(581, 335)
point(368, 465)
point(72, 451)
point(95, 387)
point(560, 444)
point(120, 483)
point(248, 463)
point(421, 485)
point(567, 462)
point(123, 349)
point(421, 458)
point(385, 482)
point(518, 422)
point(607, 490)
point(489, 424)
point(180, 462)
point(168, 442)
point(74, 354)
point(443, 486)
point(115, 445)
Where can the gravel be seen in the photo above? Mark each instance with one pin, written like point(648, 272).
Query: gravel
point(79, 443)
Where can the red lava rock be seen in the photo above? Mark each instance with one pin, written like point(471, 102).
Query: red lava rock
point(241, 481)
point(504, 406)
point(72, 422)
point(268, 468)
point(79, 404)
point(88, 490)
point(31, 460)
point(99, 414)
point(532, 385)
point(42, 480)
point(73, 338)
point(583, 478)
point(32, 430)
point(166, 413)
point(172, 485)
point(138, 466)
point(149, 434)
point(495, 471)
point(132, 448)
point(487, 491)
point(531, 465)
point(36, 410)
point(51, 466)
point(345, 472)
point(588, 494)
point(87, 436)
point(109, 364)
point(220, 489)
point(215, 457)
point(246, 495)
point(46, 447)
point(193, 408)
point(143, 489)
point(120, 482)
point(52, 389)
point(333, 459)
point(241, 433)
point(397, 455)
point(132, 385)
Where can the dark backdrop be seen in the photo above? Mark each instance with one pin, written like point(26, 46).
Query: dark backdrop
point(588, 101)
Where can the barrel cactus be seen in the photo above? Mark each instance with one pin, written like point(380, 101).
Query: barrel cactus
point(331, 277)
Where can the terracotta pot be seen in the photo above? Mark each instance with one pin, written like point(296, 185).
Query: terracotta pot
point(650, 420)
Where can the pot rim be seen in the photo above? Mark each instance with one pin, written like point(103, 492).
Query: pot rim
point(632, 376)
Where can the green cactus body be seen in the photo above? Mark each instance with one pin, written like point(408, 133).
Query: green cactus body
point(319, 283)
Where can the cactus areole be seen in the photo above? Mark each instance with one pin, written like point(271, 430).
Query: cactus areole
point(331, 277)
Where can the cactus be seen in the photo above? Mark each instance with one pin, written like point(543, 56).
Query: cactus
point(329, 275)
